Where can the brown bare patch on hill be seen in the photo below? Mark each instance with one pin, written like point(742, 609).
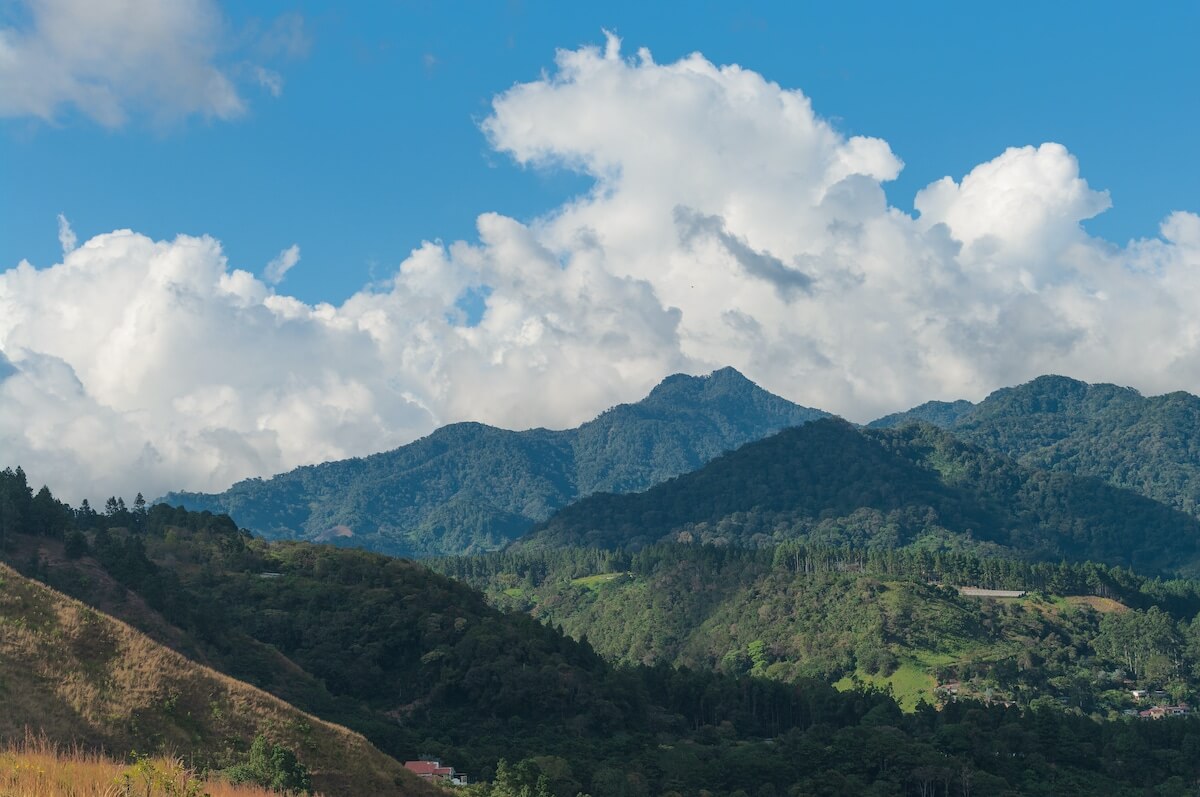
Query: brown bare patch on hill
point(1102, 605)
point(334, 533)
point(102, 591)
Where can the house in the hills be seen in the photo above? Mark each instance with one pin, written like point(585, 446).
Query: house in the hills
point(432, 769)
point(950, 688)
point(1158, 712)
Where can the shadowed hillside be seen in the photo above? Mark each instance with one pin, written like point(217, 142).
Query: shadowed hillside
point(832, 483)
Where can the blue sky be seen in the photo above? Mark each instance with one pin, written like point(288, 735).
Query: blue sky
point(733, 196)
point(374, 144)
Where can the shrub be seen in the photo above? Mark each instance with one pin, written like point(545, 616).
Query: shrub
point(273, 766)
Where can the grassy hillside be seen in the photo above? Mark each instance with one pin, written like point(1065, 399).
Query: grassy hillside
point(77, 675)
point(1150, 445)
point(470, 487)
point(830, 482)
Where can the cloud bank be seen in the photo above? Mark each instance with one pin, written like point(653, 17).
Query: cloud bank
point(728, 224)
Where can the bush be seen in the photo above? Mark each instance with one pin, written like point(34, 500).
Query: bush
point(273, 766)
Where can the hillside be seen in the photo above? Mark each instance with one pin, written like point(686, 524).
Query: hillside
point(830, 482)
point(420, 663)
point(77, 675)
point(1150, 445)
point(415, 661)
point(839, 614)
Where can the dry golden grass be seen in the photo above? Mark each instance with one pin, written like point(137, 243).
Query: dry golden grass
point(37, 768)
point(1102, 605)
point(80, 676)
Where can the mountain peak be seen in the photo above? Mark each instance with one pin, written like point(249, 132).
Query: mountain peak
point(728, 373)
point(944, 414)
point(1046, 385)
point(721, 376)
point(721, 382)
point(1058, 394)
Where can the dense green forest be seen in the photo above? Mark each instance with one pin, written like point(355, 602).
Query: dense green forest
point(469, 487)
point(1150, 445)
point(831, 483)
point(422, 663)
point(1081, 640)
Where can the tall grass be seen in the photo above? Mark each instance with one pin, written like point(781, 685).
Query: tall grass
point(38, 768)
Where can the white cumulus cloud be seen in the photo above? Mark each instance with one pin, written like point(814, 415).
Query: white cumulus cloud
point(729, 224)
point(111, 58)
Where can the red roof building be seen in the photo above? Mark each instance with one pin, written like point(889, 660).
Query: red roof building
point(1158, 712)
point(432, 769)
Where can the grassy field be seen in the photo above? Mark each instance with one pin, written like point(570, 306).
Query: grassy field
point(36, 768)
point(910, 683)
point(596, 581)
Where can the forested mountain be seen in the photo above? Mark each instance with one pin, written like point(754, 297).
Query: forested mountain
point(76, 675)
point(829, 482)
point(1150, 445)
point(420, 663)
point(470, 487)
point(880, 616)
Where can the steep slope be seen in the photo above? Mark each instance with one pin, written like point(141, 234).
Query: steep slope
point(78, 675)
point(470, 487)
point(830, 482)
point(1150, 445)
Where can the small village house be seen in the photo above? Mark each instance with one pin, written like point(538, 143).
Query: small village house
point(432, 769)
point(1158, 712)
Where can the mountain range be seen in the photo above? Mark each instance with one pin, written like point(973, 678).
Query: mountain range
point(833, 483)
point(469, 487)
point(1150, 445)
point(755, 607)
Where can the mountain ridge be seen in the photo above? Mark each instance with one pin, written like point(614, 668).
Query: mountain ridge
point(1148, 444)
point(470, 487)
point(831, 482)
